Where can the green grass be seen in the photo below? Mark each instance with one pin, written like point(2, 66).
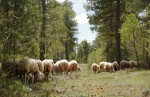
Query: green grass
point(124, 83)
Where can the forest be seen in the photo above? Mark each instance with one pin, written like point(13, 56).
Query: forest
point(47, 29)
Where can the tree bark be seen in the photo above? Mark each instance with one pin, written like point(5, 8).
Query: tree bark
point(42, 43)
point(118, 50)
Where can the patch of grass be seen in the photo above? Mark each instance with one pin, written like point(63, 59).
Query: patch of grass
point(123, 83)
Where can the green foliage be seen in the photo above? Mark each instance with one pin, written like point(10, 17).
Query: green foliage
point(131, 33)
point(102, 16)
point(147, 24)
point(83, 50)
point(136, 6)
point(11, 87)
point(80, 54)
point(56, 51)
point(105, 16)
point(96, 56)
point(61, 27)
point(86, 49)
point(21, 28)
point(18, 28)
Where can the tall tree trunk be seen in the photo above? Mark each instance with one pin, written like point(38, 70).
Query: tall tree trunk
point(67, 54)
point(118, 51)
point(42, 43)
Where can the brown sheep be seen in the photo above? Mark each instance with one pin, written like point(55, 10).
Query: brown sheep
point(115, 66)
point(142, 64)
point(48, 67)
point(95, 67)
point(62, 66)
point(133, 64)
point(73, 66)
point(125, 64)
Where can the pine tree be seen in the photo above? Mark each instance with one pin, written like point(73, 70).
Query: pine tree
point(18, 29)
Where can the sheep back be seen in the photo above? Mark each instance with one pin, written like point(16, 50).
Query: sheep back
point(40, 65)
point(95, 67)
point(115, 66)
point(125, 64)
point(73, 65)
point(62, 66)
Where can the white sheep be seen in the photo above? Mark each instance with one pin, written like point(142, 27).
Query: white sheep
point(106, 66)
point(48, 67)
point(40, 65)
point(95, 67)
point(79, 69)
point(30, 67)
point(62, 66)
point(109, 67)
point(73, 66)
point(102, 66)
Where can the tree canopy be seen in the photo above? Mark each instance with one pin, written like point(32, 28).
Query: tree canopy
point(122, 27)
point(37, 28)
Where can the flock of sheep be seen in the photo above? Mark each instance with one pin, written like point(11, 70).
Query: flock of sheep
point(30, 69)
point(111, 67)
point(42, 69)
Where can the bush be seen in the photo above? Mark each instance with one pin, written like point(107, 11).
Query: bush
point(11, 87)
point(96, 57)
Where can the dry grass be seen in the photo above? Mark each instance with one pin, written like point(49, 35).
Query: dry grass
point(125, 83)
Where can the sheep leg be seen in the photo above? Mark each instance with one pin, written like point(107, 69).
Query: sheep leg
point(25, 77)
point(32, 79)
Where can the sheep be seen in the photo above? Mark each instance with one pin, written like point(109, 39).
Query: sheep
point(115, 66)
point(40, 65)
point(54, 65)
point(133, 64)
point(102, 66)
point(30, 67)
point(79, 69)
point(48, 67)
point(73, 66)
point(109, 67)
point(62, 66)
point(143, 65)
point(95, 67)
point(55, 69)
point(106, 66)
point(125, 64)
